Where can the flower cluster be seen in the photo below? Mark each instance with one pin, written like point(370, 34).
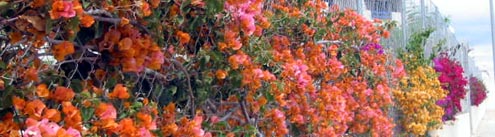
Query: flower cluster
point(131, 50)
point(419, 90)
point(209, 68)
point(452, 79)
point(96, 117)
point(417, 101)
point(478, 91)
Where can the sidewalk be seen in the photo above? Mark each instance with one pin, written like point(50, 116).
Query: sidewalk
point(487, 125)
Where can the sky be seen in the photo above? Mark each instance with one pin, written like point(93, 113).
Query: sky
point(471, 23)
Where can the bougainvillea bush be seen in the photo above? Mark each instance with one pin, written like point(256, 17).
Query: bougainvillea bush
point(197, 68)
point(478, 91)
point(452, 79)
point(419, 90)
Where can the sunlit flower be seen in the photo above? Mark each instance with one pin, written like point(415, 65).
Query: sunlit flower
point(62, 8)
point(106, 111)
point(62, 94)
point(119, 92)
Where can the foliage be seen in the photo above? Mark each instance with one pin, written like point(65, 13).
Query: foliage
point(452, 80)
point(420, 90)
point(478, 91)
point(414, 55)
point(206, 68)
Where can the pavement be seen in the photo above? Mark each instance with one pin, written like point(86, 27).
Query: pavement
point(487, 125)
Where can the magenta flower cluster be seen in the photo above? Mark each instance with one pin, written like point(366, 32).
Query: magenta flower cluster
point(478, 91)
point(452, 79)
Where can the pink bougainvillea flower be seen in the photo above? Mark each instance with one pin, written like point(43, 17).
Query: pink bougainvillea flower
point(145, 132)
point(62, 9)
point(48, 128)
point(106, 111)
point(73, 132)
point(32, 131)
point(247, 24)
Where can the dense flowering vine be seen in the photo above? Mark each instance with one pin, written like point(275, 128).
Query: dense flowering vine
point(478, 91)
point(452, 79)
point(205, 68)
point(420, 90)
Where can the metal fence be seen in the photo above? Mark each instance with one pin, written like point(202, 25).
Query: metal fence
point(414, 16)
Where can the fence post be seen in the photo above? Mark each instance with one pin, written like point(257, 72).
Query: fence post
point(493, 32)
point(360, 7)
point(423, 14)
point(404, 24)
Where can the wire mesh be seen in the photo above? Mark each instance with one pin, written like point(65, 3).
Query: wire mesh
point(412, 16)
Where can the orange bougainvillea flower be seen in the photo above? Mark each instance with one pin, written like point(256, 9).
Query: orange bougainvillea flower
point(125, 44)
point(15, 37)
point(106, 111)
point(2, 85)
point(34, 109)
point(127, 127)
point(72, 115)
point(145, 8)
point(97, 91)
point(63, 49)
point(62, 8)
point(42, 91)
point(124, 21)
point(87, 20)
point(106, 124)
point(32, 74)
point(221, 74)
point(18, 102)
point(37, 3)
point(62, 94)
point(52, 115)
point(119, 92)
point(145, 120)
point(183, 37)
point(155, 3)
point(86, 103)
point(8, 127)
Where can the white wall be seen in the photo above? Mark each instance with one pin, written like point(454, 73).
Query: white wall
point(458, 128)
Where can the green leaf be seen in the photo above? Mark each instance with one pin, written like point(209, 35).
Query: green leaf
point(3, 3)
point(111, 83)
point(157, 91)
point(172, 90)
point(214, 6)
point(98, 29)
point(123, 115)
point(48, 24)
point(269, 96)
point(183, 7)
point(74, 26)
point(87, 113)
point(85, 4)
point(217, 56)
point(137, 105)
point(2, 65)
point(237, 129)
point(195, 23)
point(76, 85)
point(236, 79)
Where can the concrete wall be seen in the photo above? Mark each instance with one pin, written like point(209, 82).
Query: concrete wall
point(477, 114)
point(466, 124)
point(457, 128)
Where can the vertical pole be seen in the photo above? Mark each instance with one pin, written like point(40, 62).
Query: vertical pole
point(360, 7)
point(493, 33)
point(423, 14)
point(404, 24)
point(469, 74)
